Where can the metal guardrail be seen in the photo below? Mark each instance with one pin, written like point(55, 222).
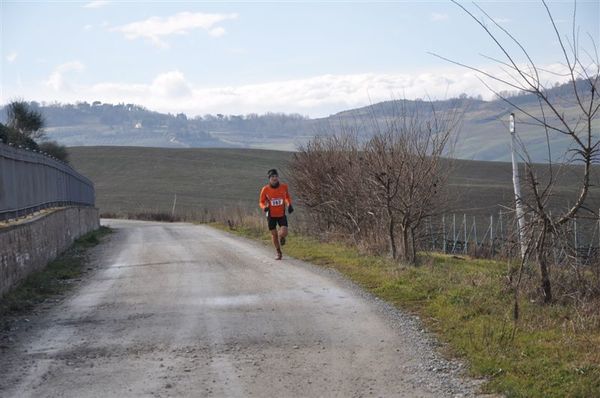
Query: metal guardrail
point(31, 181)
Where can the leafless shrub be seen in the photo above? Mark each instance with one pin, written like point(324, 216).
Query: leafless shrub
point(403, 163)
point(383, 187)
point(328, 176)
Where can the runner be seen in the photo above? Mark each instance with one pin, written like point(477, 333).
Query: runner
point(273, 198)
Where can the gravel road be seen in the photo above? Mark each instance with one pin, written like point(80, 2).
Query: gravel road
point(187, 310)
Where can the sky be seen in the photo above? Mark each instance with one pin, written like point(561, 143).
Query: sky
point(314, 58)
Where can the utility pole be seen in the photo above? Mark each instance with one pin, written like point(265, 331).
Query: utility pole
point(517, 186)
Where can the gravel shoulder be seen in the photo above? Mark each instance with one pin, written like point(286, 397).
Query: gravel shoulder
point(187, 310)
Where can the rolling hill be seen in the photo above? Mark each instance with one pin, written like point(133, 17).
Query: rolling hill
point(483, 135)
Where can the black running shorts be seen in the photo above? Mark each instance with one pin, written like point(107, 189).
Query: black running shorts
point(274, 221)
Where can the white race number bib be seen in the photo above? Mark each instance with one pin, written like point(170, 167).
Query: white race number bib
point(276, 202)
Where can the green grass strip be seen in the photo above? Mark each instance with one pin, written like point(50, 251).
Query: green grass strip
point(53, 280)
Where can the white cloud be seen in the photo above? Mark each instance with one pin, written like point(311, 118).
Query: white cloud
point(436, 17)
point(57, 79)
point(217, 32)
point(87, 27)
point(171, 85)
point(165, 87)
point(12, 57)
point(96, 4)
point(317, 96)
point(157, 28)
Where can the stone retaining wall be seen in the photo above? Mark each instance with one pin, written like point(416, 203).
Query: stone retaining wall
point(30, 246)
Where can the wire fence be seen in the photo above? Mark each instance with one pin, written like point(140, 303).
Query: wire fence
point(31, 181)
point(496, 235)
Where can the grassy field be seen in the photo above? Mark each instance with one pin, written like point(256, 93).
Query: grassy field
point(550, 352)
point(131, 179)
point(134, 179)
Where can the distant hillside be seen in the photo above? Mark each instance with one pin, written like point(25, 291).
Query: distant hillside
point(107, 124)
point(483, 136)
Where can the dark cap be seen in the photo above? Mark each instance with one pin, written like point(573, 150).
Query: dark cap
point(272, 172)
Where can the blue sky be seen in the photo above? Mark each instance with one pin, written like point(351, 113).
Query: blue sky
point(313, 58)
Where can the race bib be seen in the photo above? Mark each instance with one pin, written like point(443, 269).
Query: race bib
point(276, 202)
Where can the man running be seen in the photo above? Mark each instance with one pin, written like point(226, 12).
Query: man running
point(273, 198)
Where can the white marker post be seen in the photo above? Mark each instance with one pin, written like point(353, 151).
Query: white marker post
point(174, 203)
point(517, 186)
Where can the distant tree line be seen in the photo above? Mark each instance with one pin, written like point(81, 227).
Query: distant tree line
point(268, 123)
point(135, 116)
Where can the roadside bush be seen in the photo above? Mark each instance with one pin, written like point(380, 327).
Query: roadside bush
point(56, 150)
point(381, 188)
point(11, 136)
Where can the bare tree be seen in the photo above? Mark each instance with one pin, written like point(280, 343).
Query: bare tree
point(572, 115)
point(387, 185)
point(403, 163)
point(327, 176)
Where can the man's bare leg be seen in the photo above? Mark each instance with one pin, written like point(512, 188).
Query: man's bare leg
point(283, 232)
point(275, 239)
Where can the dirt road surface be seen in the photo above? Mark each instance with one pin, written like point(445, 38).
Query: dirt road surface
point(187, 310)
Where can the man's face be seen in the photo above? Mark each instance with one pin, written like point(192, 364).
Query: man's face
point(273, 180)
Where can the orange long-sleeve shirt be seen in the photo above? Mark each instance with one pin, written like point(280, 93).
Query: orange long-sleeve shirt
point(275, 199)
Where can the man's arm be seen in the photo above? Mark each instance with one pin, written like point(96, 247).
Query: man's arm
point(288, 200)
point(262, 200)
